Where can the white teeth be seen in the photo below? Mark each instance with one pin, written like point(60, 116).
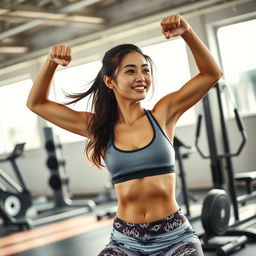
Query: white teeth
point(139, 88)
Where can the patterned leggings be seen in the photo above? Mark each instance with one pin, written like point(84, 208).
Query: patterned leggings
point(170, 236)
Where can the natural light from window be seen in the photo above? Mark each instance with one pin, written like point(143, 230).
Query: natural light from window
point(17, 123)
point(237, 47)
point(171, 72)
point(74, 80)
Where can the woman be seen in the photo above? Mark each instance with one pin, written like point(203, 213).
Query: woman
point(135, 143)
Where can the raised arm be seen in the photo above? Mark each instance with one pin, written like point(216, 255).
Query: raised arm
point(176, 103)
point(54, 112)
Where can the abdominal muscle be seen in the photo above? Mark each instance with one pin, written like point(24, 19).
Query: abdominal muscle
point(146, 199)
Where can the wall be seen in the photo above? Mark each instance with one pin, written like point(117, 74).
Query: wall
point(86, 180)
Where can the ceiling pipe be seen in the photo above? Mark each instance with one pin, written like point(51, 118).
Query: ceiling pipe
point(37, 22)
point(85, 42)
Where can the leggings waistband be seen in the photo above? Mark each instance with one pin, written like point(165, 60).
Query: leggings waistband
point(150, 229)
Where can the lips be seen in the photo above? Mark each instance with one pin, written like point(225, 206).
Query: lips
point(139, 85)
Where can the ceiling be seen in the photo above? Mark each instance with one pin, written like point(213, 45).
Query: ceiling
point(26, 26)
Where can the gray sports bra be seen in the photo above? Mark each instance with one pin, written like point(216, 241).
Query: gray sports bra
point(158, 157)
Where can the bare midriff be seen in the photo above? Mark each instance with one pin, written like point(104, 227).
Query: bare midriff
point(146, 199)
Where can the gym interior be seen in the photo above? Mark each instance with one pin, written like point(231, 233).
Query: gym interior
point(53, 201)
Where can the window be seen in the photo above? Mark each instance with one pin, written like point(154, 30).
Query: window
point(17, 123)
point(170, 58)
point(237, 48)
point(74, 80)
point(171, 72)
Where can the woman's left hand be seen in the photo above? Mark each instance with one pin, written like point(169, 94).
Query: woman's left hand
point(174, 25)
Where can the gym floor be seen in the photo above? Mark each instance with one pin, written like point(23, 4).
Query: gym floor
point(81, 235)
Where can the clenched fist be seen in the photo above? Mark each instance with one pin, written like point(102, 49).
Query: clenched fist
point(174, 25)
point(60, 54)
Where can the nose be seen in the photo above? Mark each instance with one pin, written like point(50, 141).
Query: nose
point(139, 76)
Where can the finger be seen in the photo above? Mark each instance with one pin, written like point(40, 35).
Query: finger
point(61, 62)
point(58, 51)
point(164, 33)
point(65, 62)
point(172, 23)
point(50, 53)
point(167, 34)
point(167, 23)
point(56, 60)
point(63, 52)
point(177, 20)
point(53, 52)
point(68, 53)
point(170, 35)
point(163, 24)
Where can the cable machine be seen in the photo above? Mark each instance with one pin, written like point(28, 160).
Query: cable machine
point(216, 220)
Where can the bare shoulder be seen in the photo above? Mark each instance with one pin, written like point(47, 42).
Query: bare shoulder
point(158, 115)
point(165, 108)
point(162, 115)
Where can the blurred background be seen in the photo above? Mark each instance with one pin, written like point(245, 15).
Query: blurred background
point(30, 27)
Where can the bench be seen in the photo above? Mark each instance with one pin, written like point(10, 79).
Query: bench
point(248, 178)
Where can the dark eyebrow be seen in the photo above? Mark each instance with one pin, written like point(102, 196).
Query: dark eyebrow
point(134, 66)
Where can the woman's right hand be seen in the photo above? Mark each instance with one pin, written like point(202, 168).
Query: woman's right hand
point(60, 54)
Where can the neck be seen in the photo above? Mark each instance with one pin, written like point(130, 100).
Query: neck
point(129, 114)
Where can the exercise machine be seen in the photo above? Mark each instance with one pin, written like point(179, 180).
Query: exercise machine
point(14, 203)
point(183, 195)
point(108, 196)
point(62, 205)
point(215, 219)
point(217, 168)
point(8, 220)
point(59, 180)
point(247, 178)
point(17, 206)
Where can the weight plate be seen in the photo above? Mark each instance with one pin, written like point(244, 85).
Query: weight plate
point(49, 145)
point(216, 212)
point(12, 205)
point(52, 163)
point(55, 182)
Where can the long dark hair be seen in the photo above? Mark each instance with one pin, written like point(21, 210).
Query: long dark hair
point(104, 104)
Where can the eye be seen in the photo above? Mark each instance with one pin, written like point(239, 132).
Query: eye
point(146, 70)
point(131, 71)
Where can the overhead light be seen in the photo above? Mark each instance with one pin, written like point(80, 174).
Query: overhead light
point(3, 11)
point(78, 5)
point(56, 16)
point(13, 49)
point(33, 14)
point(10, 40)
point(85, 19)
point(67, 23)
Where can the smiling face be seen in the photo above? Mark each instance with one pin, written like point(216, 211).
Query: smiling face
point(132, 78)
